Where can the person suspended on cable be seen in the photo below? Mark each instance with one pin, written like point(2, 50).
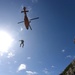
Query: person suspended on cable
point(21, 43)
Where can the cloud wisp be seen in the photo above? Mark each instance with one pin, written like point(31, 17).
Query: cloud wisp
point(31, 72)
point(63, 50)
point(46, 71)
point(10, 54)
point(28, 58)
point(68, 56)
point(52, 66)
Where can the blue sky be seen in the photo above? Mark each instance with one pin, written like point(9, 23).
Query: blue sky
point(49, 46)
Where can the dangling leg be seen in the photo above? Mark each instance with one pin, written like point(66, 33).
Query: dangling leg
point(30, 27)
point(22, 45)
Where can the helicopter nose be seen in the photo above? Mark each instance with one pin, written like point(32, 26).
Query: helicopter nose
point(27, 28)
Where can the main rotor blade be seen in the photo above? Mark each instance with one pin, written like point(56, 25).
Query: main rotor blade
point(34, 18)
point(20, 22)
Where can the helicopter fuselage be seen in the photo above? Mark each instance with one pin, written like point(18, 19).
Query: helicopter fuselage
point(26, 21)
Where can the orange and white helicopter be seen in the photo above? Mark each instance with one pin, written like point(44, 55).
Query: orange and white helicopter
point(26, 20)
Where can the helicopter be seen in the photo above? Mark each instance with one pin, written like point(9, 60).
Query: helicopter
point(26, 20)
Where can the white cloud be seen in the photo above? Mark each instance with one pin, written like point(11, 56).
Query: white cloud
point(21, 67)
point(63, 50)
point(31, 73)
point(21, 29)
point(28, 57)
point(10, 54)
point(52, 66)
point(1, 54)
point(69, 56)
point(46, 71)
